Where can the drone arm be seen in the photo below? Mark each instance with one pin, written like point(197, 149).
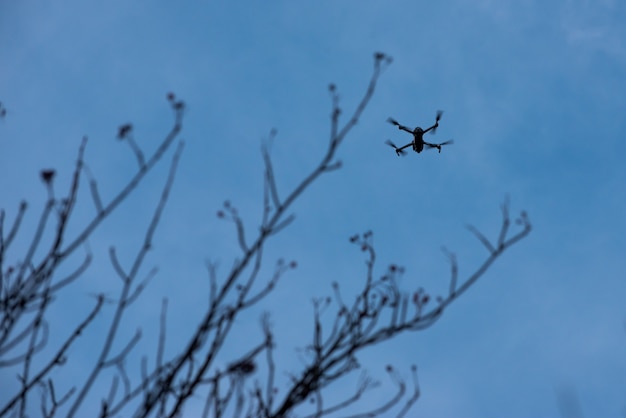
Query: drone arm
point(428, 144)
point(405, 146)
point(401, 127)
point(432, 127)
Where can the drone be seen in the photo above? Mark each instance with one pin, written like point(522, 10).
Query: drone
point(418, 142)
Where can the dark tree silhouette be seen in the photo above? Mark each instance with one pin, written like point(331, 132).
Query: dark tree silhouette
point(30, 283)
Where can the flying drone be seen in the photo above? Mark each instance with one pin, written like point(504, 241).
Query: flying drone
point(418, 142)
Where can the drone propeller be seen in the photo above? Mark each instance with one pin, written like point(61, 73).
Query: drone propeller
point(398, 150)
point(438, 146)
point(437, 119)
point(393, 121)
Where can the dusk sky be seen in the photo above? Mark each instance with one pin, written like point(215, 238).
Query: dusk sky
point(533, 95)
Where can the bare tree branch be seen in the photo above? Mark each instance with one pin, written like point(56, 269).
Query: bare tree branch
point(380, 311)
point(58, 359)
point(125, 293)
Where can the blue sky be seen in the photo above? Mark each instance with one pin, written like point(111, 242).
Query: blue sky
point(533, 94)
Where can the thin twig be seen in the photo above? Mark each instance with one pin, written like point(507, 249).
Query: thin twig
point(58, 358)
point(123, 301)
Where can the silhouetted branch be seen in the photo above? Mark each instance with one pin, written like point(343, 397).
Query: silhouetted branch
point(454, 270)
point(57, 360)
point(283, 224)
point(126, 296)
point(141, 161)
point(269, 170)
point(27, 288)
point(219, 317)
point(27, 262)
point(269, 350)
point(35, 345)
point(116, 265)
point(80, 270)
point(55, 404)
point(178, 108)
point(381, 310)
point(141, 286)
point(416, 393)
point(505, 243)
point(162, 334)
point(505, 222)
point(212, 268)
point(395, 377)
point(359, 326)
point(20, 287)
point(365, 383)
point(281, 268)
point(6, 242)
point(482, 239)
point(93, 187)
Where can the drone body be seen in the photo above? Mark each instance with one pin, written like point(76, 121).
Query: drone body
point(418, 142)
point(418, 139)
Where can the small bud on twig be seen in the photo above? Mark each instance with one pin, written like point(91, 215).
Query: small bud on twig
point(47, 175)
point(124, 130)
